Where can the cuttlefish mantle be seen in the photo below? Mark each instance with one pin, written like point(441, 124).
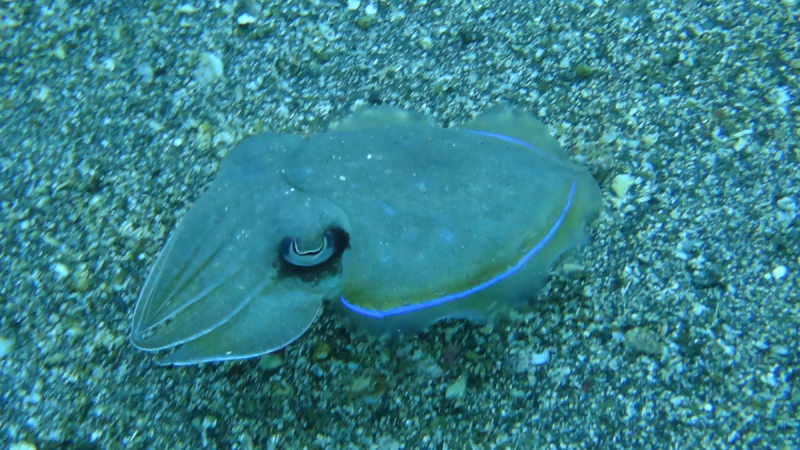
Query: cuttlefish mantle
point(397, 221)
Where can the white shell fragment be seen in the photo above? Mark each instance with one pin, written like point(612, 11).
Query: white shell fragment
point(779, 272)
point(537, 359)
point(186, 9)
point(245, 19)
point(209, 68)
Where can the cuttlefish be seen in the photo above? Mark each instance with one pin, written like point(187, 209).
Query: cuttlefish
point(399, 222)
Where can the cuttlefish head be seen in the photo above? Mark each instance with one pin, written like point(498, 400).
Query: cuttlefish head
point(245, 272)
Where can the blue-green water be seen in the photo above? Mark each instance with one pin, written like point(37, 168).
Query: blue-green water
point(675, 328)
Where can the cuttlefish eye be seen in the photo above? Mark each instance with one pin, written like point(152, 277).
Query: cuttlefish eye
point(304, 255)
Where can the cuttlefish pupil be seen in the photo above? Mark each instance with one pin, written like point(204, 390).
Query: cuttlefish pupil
point(294, 253)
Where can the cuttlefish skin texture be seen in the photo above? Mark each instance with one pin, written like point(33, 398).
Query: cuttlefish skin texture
point(400, 223)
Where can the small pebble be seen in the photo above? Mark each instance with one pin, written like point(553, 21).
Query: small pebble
point(360, 384)
point(787, 204)
point(270, 361)
point(621, 184)
point(186, 9)
point(60, 270)
point(781, 350)
point(209, 68)
point(245, 19)
point(699, 309)
point(425, 42)
point(584, 71)
point(537, 359)
point(456, 390)
point(397, 14)
point(22, 446)
point(364, 22)
point(322, 350)
point(6, 345)
point(779, 272)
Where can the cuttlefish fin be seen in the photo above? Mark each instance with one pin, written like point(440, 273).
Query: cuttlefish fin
point(378, 116)
point(517, 124)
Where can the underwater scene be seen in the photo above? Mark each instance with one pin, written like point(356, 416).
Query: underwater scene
point(399, 224)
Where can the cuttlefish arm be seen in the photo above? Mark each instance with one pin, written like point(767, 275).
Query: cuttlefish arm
point(248, 266)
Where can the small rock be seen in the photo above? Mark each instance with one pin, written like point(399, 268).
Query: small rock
point(364, 22)
point(397, 14)
point(270, 361)
point(426, 42)
point(699, 309)
point(146, 73)
point(80, 281)
point(360, 384)
point(6, 345)
point(670, 57)
point(60, 52)
point(644, 341)
point(469, 36)
point(537, 359)
point(322, 350)
point(584, 71)
point(22, 446)
point(61, 270)
point(781, 350)
point(428, 368)
point(609, 137)
point(708, 277)
point(223, 138)
point(209, 68)
point(649, 139)
point(572, 269)
point(456, 390)
point(621, 184)
point(787, 204)
point(388, 443)
point(245, 19)
point(186, 9)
